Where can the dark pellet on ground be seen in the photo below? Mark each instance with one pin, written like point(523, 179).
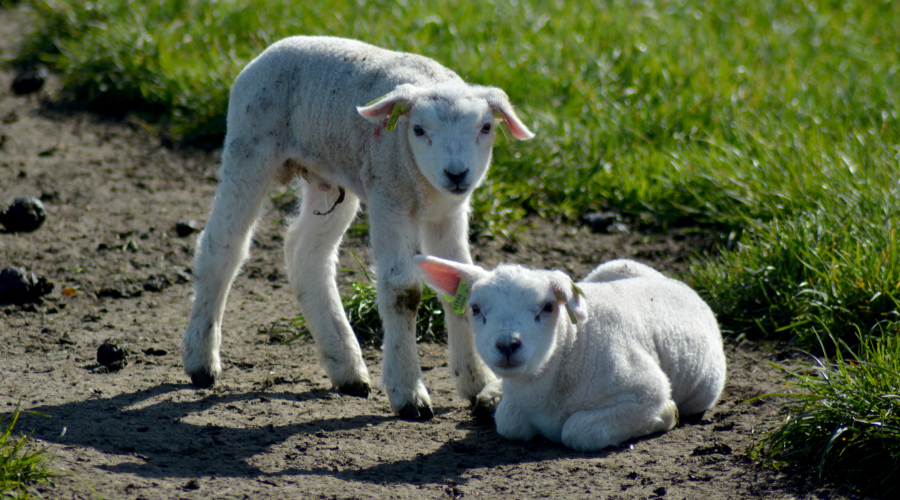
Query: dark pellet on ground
point(20, 287)
point(29, 81)
point(605, 222)
point(112, 356)
point(121, 292)
point(23, 216)
point(185, 228)
point(157, 283)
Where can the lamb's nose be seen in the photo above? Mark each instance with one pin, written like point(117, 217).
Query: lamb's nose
point(456, 178)
point(509, 347)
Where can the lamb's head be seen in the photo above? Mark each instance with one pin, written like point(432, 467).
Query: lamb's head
point(518, 315)
point(450, 127)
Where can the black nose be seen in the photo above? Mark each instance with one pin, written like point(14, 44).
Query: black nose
point(456, 178)
point(508, 348)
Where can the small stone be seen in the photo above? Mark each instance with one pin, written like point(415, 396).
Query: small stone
point(112, 356)
point(605, 222)
point(29, 81)
point(23, 216)
point(20, 287)
point(157, 283)
point(185, 228)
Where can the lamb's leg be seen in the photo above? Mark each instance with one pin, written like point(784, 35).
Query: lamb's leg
point(512, 422)
point(221, 249)
point(596, 429)
point(394, 242)
point(311, 256)
point(449, 239)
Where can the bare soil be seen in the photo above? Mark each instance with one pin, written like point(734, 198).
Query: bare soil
point(273, 427)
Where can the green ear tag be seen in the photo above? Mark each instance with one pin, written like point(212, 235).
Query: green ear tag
point(458, 303)
point(376, 100)
point(398, 110)
point(571, 314)
point(560, 297)
point(503, 125)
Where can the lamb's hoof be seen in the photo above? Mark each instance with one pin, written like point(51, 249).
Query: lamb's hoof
point(482, 412)
point(410, 412)
point(203, 379)
point(358, 389)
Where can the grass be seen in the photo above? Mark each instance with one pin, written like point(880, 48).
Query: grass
point(773, 120)
point(362, 312)
point(844, 423)
point(20, 468)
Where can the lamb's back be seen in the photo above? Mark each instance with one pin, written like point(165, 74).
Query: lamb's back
point(666, 319)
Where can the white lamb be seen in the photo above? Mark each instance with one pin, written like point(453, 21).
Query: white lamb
point(618, 356)
point(294, 111)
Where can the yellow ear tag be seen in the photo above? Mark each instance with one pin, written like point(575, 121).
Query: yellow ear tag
point(503, 125)
point(376, 100)
point(562, 298)
point(398, 110)
point(458, 302)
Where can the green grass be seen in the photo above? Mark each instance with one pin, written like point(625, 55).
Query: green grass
point(844, 423)
point(773, 120)
point(20, 466)
point(362, 312)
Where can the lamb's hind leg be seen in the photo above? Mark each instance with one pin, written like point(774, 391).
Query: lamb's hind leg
point(221, 249)
point(311, 250)
point(596, 429)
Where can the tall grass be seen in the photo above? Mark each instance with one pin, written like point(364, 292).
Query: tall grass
point(844, 423)
point(21, 467)
point(833, 270)
point(680, 112)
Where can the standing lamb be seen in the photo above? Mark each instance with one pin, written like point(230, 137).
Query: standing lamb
point(618, 356)
point(293, 111)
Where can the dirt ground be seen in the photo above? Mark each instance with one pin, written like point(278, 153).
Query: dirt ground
point(272, 427)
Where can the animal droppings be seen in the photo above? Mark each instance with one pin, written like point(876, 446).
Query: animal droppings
point(23, 216)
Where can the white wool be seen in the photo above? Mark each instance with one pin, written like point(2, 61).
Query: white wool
point(643, 348)
point(396, 131)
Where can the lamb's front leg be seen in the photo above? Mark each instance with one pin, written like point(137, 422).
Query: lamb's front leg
point(449, 239)
point(394, 241)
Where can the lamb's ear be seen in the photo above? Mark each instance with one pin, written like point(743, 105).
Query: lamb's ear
point(387, 109)
point(499, 102)
point(445, 275)
point(568, 294)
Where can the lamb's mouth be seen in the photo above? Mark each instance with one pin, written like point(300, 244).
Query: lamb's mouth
point(507, 364)
point(458, 190)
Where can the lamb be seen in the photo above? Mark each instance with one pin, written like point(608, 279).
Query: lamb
point(618, 356)
point(294, 111)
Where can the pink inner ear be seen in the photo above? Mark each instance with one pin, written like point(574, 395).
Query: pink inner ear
point(516, 127)
point(382, 108)
point(442, 276)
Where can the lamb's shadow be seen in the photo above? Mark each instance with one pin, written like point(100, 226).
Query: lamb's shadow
point(150, 433)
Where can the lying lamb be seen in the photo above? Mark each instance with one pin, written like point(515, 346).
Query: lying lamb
point(293, 111)
point(617, 356)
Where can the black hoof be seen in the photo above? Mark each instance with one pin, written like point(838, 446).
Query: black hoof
point(358, 389)
point(203, 379)
point(410, 412)
point(483, 413)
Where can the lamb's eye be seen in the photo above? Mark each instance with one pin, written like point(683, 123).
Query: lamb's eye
point(419, 131)
point(486, 129)
point(548, 308)
point(475, 309)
